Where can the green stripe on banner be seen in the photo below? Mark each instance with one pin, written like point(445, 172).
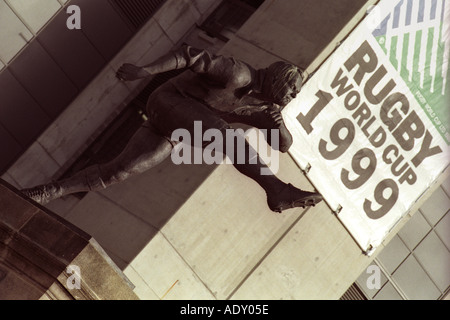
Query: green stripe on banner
point(426, 82)
point(404, 66)
point(393, 52)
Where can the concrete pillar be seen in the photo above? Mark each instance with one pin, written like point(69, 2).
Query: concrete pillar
point(45, 257)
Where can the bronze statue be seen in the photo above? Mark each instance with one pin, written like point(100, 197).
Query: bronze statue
point(215, 90)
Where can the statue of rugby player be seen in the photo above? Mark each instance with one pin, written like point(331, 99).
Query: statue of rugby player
point(215, 90)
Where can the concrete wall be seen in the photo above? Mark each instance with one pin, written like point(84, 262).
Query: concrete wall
point(21, 21)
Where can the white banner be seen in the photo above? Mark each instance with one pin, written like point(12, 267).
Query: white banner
point(362, 124)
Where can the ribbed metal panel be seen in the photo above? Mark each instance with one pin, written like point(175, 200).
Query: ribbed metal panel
point(136, 12)
point(353, 293)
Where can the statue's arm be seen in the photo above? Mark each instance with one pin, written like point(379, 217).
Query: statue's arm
point(266, 118)
point(218, 68)
point(167, 62)
point(171, 61)
point(185, 57)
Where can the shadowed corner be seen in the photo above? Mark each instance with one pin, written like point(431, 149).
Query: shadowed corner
point(38, 253)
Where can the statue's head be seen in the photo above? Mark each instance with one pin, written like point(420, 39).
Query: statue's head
point(283, 82)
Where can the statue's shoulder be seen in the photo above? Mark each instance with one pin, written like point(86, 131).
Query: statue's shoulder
point(243, 73)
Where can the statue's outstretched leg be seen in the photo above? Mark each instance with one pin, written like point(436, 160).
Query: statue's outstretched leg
point(145, 150)
point(185, 113)
point(280, 196)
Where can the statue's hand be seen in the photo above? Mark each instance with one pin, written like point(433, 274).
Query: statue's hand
point(130, 72)
point(275, 115)
point(285, 136)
